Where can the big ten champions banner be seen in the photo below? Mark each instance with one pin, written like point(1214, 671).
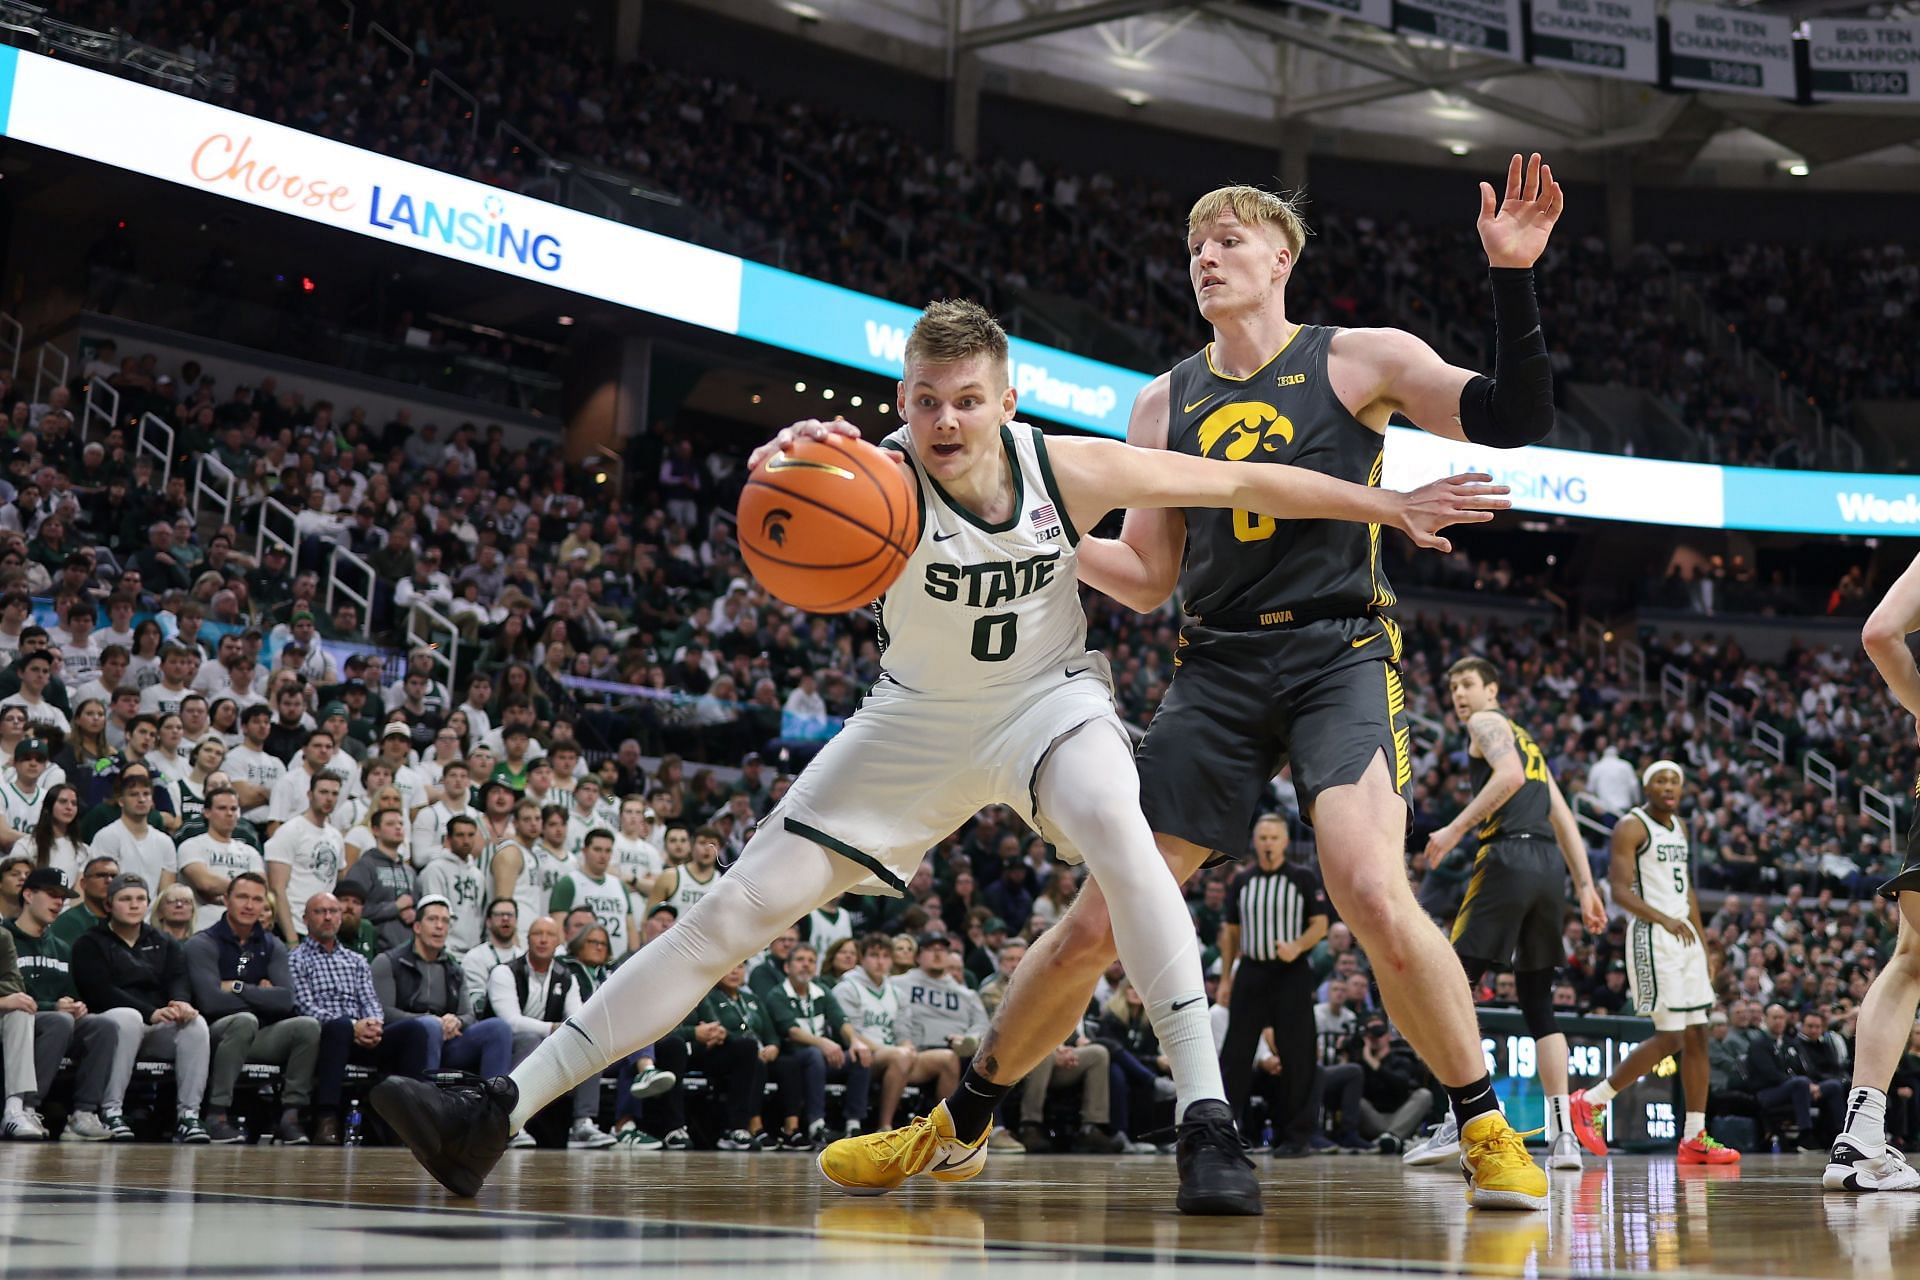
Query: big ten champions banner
point(1491, 26)
point(1618, 38)
point(1863, 61)
point(1730, 50)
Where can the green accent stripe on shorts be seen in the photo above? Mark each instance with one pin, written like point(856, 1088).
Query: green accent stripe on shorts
point(850, 853)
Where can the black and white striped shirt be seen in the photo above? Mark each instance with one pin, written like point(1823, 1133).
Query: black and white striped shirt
point(1273, 907)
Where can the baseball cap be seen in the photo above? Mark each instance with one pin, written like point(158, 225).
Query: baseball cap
point(431, 900)
point(350, 889)
point(993, 924)
point(934, 940)
point(125, 880)
point(49, 880)
point(31, 747)
point(333, 709)
point(752, 757)
point(667, 907)
point(398, 729)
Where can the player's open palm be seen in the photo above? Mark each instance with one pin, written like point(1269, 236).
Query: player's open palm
point(1514, 229)
point(1468, 498)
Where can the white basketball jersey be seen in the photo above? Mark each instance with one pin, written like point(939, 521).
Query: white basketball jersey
point(1662, 874)
point(980, 604)
point(533, 891)
point(687, 890)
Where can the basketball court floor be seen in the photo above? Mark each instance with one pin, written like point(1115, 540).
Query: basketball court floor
point(149, 1211)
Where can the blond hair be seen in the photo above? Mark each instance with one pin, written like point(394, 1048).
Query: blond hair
point(955, 329)
point(1256, 208)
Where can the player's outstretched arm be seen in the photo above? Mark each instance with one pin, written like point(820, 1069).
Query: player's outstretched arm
point(1896, 617)
point(1141, 566)
point(1380, 372)
point(1097, 476)
point(1573, 851)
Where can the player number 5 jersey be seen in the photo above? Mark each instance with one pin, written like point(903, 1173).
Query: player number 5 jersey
point(984, 604)
point(1662, 873)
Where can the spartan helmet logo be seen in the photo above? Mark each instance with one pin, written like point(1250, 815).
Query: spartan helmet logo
point(1243, 425)
point(773, 526)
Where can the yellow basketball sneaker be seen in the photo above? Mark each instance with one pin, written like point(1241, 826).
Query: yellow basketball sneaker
point(875, 1163)
point(1500, 1172)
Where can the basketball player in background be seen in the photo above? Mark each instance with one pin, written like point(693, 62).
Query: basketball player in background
point(1290, 651)
point(1862, 1159)
point(1528, 845)
point(988, 694)
point(1652, 880)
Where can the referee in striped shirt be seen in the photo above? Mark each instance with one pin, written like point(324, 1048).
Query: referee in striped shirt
point(1276, 912)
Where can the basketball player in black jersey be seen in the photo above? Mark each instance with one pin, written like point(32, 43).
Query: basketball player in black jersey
point(1516, 901)
point(1289, 652)
point(1862, 1158)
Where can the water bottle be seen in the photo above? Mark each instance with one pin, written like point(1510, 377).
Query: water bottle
point(1266, 1134)
point(1776, 1144)
point(354, 1136)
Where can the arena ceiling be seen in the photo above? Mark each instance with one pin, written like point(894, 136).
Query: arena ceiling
point(1339, 85)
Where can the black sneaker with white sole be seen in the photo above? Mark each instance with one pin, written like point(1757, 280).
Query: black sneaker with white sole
point(457, 1133)
point(1215, 1175)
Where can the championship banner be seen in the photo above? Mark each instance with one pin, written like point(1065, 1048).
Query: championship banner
point(1730, 51)
point(1863, 61)
point(1491, 26)
point(1377, 13)
point(1617, 38)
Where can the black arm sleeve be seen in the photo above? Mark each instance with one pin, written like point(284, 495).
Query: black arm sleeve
point(1515, 406)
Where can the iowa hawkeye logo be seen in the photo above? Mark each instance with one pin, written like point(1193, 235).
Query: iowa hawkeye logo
point(1243, 426)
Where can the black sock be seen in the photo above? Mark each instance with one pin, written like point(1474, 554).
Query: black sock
point(1472, 1100)
point(972, 1104)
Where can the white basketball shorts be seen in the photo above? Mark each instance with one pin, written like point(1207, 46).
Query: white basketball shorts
point(1667, 978)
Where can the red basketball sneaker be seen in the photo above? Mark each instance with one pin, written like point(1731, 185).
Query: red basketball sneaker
point(1583, 1126)
point(1704, 1150)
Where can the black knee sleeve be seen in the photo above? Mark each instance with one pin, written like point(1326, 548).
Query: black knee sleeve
point(1535, 990)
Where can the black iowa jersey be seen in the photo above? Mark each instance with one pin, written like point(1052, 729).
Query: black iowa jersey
point(1249, 570)
point(1528, 811)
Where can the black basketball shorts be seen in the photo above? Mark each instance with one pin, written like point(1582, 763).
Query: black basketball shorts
point(1514, 906)
point(1325, 697)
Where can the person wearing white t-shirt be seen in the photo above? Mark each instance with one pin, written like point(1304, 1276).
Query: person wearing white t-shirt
point(396, 748)
point(253, 770)
point(140, 849)
point(111, 674)
point(23, 792)
point(305, 856)
point(636, 859)
point(176, 676)
point(36, 671)
point(80, 651)
point(210, 860)
point(290, 793)
point(430, 830)
point(479, 723)
point(501, 944)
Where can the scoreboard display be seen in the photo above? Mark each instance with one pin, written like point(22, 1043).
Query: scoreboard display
point(1645, 1114)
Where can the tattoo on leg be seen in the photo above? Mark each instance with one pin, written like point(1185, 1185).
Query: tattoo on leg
point(989, 1067)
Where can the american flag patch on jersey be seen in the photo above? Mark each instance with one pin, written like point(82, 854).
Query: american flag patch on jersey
point(1043, 516)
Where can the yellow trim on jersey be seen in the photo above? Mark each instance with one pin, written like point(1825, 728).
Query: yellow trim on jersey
point(1207, 352)
point(1382, 597)
point(1473, 891)
point(1402, 733)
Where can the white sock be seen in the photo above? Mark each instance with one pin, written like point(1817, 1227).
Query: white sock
point(1601, 1094)
point(1696, 1125)
point(778, 878)
point(1866, 1119)
point(1088, 790)
point(1559, 1116)
point(16, 1106)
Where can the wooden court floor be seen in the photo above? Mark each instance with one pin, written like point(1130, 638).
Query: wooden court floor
point(153, 1211)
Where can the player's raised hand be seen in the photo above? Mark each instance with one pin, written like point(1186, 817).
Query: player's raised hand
point(807, 429)
point(1468, 498)
point(1514, 229)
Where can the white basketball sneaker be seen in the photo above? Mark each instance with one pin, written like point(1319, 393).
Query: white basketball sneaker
point(1440, 1146)
point(1851, 1169)
point(1564, 1152)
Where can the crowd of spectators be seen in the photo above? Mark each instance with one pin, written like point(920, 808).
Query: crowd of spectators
point(897, 215)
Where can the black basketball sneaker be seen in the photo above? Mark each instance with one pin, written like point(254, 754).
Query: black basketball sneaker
point(457, 1133)
point(1215, 1175)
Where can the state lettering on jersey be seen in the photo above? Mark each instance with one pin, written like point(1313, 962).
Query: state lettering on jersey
point(992, 584)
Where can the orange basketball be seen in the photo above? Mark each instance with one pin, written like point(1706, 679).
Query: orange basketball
point(828, 525)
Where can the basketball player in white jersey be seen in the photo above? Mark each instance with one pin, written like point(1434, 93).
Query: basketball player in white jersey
point(1652, 879)
point(988, 694)
point(682, 886)
point(1862, 1159)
